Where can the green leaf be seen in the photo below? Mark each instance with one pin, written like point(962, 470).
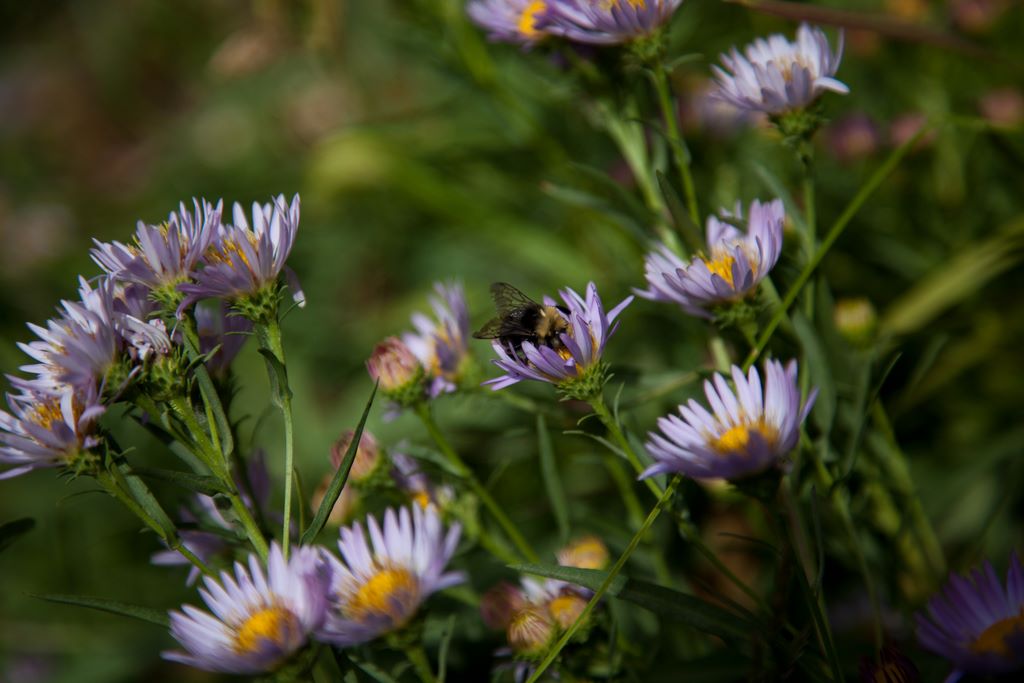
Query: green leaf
point(145, 498)
point(552, 481)
point(372, 670)
point(824, 410)
point(11, 531)
point(687, 609)
point(339, 479)
point(279, 377)
point(113, 606)
point(209, 486)
point(208, 391)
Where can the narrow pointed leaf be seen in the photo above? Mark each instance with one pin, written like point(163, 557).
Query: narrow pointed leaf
point(680, 216)
point(279, 377)
point(339, 479)
point(198, 483)
point(442, 649)
point(124, 609)
point(824, 410)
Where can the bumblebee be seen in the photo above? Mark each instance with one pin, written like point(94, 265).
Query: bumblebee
point(521, 319)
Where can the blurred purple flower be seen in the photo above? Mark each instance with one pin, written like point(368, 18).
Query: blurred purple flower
point(749, 432)
point(410, 478)
point(852, 138)
point(976, 622)
point(218, 326)
point(162, 255)
point(581, 346)
point(735, 264)
point(261, 616)
point(509, 21)
point(776, 76)
point(242, 261)
point(441, 345)
point(608, 22)
point(381, 584)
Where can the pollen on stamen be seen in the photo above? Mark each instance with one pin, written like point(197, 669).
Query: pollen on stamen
point(392, 592)
point(270, 624)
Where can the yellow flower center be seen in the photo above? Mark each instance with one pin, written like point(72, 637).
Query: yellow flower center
point(737, 438)
point(609, 5)
point(391, 592)
point(422, 498)
point(222, 254)
point(269, 624)
point(565, 609)
point(993, 639)
point(48, 412)
point(587, 553)
point(722, 267)
point(528, 19)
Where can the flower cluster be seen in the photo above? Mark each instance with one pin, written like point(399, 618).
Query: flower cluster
point(264, 614)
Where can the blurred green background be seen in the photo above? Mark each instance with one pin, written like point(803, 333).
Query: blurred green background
point(422, 153)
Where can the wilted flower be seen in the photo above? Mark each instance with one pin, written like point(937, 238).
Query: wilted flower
point(441, 345)
point(162, 256)
point(855, 319)
point(48, 430)
point(500, 603)
point(749, 432)
point(976, 622)
point(587, 552)
point(244, 264)
point(509, 21)
point(776, 76)
point(852, 138)
point(1003, 108)
point(260, 616)
point(378, 589)
point(608, 22)
point(577, 363)
point(398, 371)
point(733, 267)
point(368, 454)
point(530, 631)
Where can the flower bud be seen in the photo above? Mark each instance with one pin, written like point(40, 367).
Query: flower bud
point(1003, 108)
point(530, 631)
point(343, 507)
point(588, 552)
point(368, 455)
point(856, 320)
point(398, 371)
point(500, 603)
point(566, 609)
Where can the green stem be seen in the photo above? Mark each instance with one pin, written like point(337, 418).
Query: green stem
point(612, 425)
point(625, 485)
point(834, 232)
point(680, 153)
point(423, 410)
point(203, 446)
point(270, 339)
point(606, 584)
point(112, 485)
point(252, 529)
point(418, 658)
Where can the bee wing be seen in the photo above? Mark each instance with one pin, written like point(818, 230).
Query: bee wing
point(507, 299)
point(492, 329)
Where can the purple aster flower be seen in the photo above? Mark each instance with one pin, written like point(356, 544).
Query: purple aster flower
point(607, 22)
point(219, 327)
point(509, 21)
point(162, 255)
point(976, 622)
point(410, 478)
point(441, 345)
point(776, 76)
point(47, 430)
point(243, 261)
point(381, 583)
point(750, 430)
point(733, 267)
point(581, 346)
point(260, 617)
